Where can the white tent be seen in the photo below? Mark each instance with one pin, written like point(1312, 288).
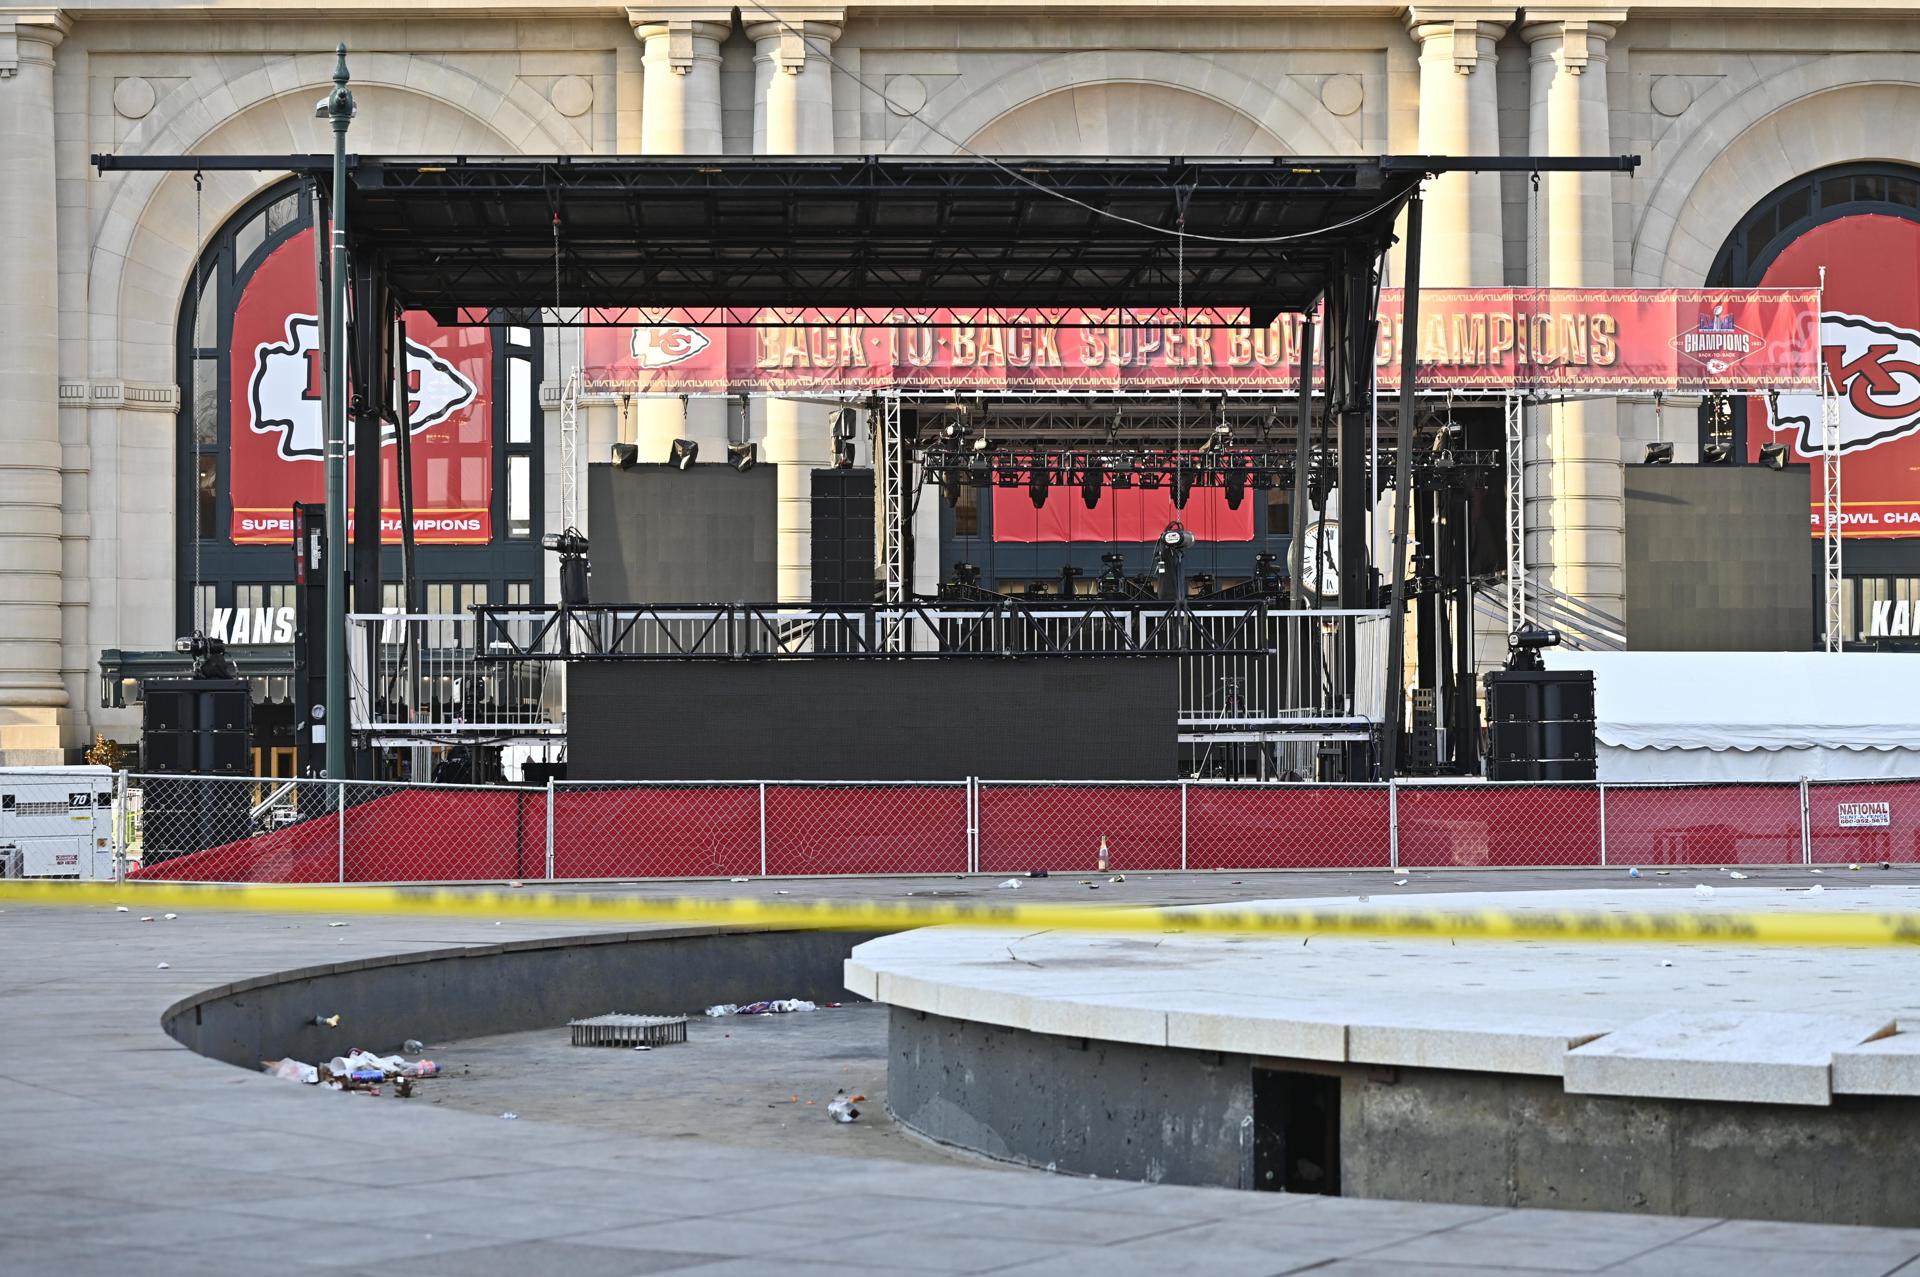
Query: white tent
point(1752, 715)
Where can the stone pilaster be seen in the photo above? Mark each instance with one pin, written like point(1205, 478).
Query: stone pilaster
point(33, 698)
point(1459, 115)
point(1577, 508)
point(679, 115)
point(793, 115)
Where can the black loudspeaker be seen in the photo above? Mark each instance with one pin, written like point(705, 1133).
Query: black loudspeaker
point(202, 726)
point(843, 536)
point(1540, 725)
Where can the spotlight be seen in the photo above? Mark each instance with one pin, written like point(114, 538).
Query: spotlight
point(1236, 485)
point(1092, 479)
point(1182, 486)
point(1149, 477)
point(1773, 456)
point(1716, 454)
point(1659, 454)
point(742, 456)
point(574, 570)
point(1447, 436)
point(625, 456)
point(683, 453)
point(1222, 435)
point(950, 489)
point(966, 574)
point(1039, 479)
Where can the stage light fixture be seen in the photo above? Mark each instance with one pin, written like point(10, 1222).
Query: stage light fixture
point(1220, 437)
point(1092, 479)
point(1716, 454)
point(625, 456)
point(1039, 479)
point(1773, 456)
point(575, 572)
point(1236, 486)
point(950, 486)
point(1182, 486)
point(1659, 454)
point(742, 456)
point(683, 454)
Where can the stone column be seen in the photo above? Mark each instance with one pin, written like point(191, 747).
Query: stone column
point(1575, 489)
point(1459, 115)
point(679, 115)
point(793, 115)
point(32, 697)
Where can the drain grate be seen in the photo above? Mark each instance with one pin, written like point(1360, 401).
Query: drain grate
point(629, 1030)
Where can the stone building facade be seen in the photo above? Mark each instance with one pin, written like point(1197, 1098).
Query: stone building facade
point(1725, 103)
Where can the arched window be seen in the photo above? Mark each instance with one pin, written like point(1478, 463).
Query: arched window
point(249, 441)
point(1774, 225)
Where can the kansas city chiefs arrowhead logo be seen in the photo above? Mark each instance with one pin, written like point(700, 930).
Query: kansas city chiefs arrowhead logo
point(664, 344)
point(286, 391)
point(1875, 369)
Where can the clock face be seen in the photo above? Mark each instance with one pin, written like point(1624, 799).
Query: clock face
point(1317, 565)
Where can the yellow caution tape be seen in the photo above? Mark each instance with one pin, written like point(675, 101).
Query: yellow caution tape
point(1683, 925)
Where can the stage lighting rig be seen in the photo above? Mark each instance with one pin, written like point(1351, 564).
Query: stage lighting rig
point(1039, 479)
point(1235, 482)
point(209, 655)
point(1183, 477)
point(575, 571)
point(1092, 479)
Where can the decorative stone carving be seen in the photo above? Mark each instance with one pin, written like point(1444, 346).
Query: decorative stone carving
point(133, 97)
point(572, 95)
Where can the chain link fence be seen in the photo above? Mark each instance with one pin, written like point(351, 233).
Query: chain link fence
point(238, 829)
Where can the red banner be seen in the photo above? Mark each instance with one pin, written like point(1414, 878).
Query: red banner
point(278, 435)
point(1125, 514)
point(1870, 338)
point(1470, 339)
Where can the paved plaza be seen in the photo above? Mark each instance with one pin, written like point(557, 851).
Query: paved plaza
point(126, 1153)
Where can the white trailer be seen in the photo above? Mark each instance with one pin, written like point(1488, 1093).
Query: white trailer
point(56, 822)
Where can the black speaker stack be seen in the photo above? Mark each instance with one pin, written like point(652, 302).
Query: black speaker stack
point(1540, 725)
point(194, 733)
point(843, 536)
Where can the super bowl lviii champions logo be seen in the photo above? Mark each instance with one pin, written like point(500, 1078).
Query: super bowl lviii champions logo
point(662, 345)
point(286, 390)
point(1874, 367)
point(1716, 341)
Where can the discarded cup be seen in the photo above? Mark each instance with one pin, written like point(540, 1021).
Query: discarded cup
point(326, 1021)
point(842, 1109)
point(1011, 884)
point(1737, 874)
point(412, 1046)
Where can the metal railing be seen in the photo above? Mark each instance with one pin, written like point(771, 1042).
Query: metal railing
point(424, 676)
point(240, 829)
point(1243, 667)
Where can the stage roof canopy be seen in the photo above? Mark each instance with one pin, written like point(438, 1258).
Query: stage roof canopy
point(526, 232)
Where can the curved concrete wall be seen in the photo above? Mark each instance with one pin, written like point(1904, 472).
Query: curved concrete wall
point(441, 994)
